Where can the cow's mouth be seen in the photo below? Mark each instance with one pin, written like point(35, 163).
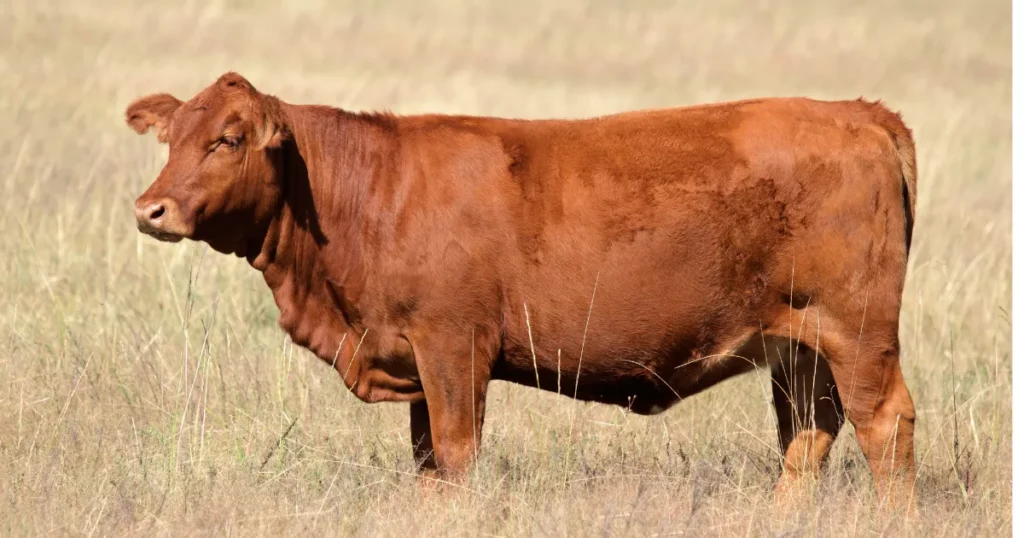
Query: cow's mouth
point(166, 237)
point(160, 235)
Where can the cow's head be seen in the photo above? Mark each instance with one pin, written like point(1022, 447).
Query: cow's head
point(222, 177)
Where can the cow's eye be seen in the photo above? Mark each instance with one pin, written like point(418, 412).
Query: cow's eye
point(230, 142)
point(226, 142)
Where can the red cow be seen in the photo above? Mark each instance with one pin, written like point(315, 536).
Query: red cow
point(631, 259)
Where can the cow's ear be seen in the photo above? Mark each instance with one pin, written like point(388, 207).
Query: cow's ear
point(152, 111)
point(271, 129)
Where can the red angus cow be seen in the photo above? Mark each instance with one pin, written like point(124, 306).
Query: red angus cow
point(661, 251)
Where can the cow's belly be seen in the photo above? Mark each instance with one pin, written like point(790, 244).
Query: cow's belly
point(644, 391)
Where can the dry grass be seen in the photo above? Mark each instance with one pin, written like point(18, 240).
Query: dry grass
point(146, 389)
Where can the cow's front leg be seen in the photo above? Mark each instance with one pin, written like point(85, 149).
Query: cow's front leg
point(454, 372)
point(422, 443)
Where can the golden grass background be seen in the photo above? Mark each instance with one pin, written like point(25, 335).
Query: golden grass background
point(146, 389)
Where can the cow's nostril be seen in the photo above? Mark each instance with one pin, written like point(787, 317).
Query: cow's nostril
point(160, 218)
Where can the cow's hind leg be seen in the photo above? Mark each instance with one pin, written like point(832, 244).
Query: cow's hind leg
point(809, 413)
point(867, 371)
point(862, 350)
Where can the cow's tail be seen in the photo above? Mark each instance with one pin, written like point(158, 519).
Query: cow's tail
point(903, 140)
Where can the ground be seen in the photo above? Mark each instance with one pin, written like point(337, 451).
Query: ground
point(145, 388)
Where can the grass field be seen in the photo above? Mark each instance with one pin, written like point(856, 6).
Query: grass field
point(145, 388)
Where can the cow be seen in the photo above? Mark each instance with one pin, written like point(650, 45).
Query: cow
point(632, 259)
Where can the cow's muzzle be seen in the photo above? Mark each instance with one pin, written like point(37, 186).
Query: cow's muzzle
point(161, 219)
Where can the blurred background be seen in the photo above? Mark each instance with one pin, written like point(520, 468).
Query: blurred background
point(145, 388)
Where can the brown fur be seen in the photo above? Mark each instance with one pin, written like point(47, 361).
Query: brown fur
point(683, 246)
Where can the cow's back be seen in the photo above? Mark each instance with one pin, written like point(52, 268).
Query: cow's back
point(663, 234)
point(689, 221)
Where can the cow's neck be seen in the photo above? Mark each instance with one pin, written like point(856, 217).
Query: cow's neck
point(311, 254)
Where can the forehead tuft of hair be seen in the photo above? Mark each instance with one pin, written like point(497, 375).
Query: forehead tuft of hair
point(268, 127)
point(232, 79)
